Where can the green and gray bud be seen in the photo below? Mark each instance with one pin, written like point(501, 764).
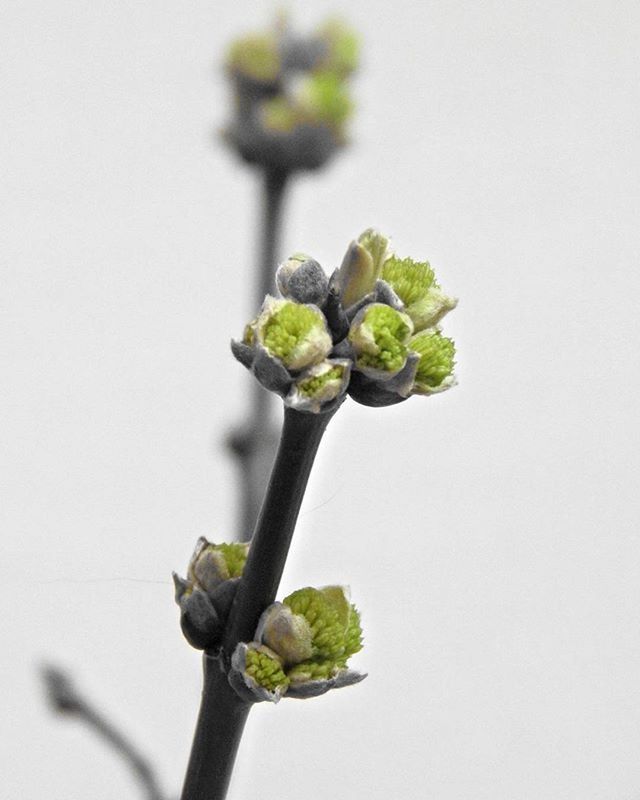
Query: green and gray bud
point(333, 620)
point(415, 284)
point(302, 647)
point(361, 266)
point(286, 633)
point(211, 564)
point(302, 279)
point(255, 57)
point(292, 99)
point(206, 596)
point(435, 367)
point(341, 47)
point(294, 333)
point(379, 336)
point(370, 331)
point(320, 387)
point(257, 673)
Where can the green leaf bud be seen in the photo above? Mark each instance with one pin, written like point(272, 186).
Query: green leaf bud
point(264, 666)
point(329, 615)
point(342, 47)
point(415, 284)
point(280, 114)
point(302, 647)
point(361, 266)
point(211, 564)
point(318, 387)
point(256, 673)
point(379, 335)
point(294, 333)
point(312, 671)
point(286, 633)
point(353, 634)
point(435, 367)
point(323, 99)
point(256, 57)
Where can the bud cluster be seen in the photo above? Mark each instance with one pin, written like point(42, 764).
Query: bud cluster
point(205, 597)
point(371, 330)
point(292, 100)
point(301, 647)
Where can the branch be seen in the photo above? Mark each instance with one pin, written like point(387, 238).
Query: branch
point(222, 713)
point(64, 698)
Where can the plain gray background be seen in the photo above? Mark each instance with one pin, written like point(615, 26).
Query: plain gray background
point(490, 535)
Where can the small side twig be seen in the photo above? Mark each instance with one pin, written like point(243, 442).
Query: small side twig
point(65, 698)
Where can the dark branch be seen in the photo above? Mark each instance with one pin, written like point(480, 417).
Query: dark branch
point(222, 713)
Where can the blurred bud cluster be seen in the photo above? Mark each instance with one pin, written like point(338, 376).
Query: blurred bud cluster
point(291, 95)
point(301, 647)
point(371, 331)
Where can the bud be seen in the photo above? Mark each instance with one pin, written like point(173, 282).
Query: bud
point(291, 97)
point(301, 649)
point(332, 619)
point(256, 58)
point(293, 333)
point(435, 367)
point(312, 671)
point(280, 114)
point(379, 335)
point(323, 99)
point(318, 387)
point(264, 666)
point(341, 45)
point(414, 283)
point(302, 279)
point(256, 673)
point(211, 564)
point(286, 633)
point(361, 266)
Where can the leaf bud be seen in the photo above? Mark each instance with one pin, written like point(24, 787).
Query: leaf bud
point(294, 333)
point(302, 279)
point(415, 284)
point(361, 266)
point(436, 361)
point(321, 387)
point(379, 335)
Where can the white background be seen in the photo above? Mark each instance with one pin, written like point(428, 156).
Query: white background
point(490, 535)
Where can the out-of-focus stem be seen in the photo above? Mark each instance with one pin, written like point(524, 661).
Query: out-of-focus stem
point(254, 443)
point(223, 713)
point(65, 698)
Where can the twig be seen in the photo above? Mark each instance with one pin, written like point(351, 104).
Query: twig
point(222, 712)
point(254, 443)
point(65, 698)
